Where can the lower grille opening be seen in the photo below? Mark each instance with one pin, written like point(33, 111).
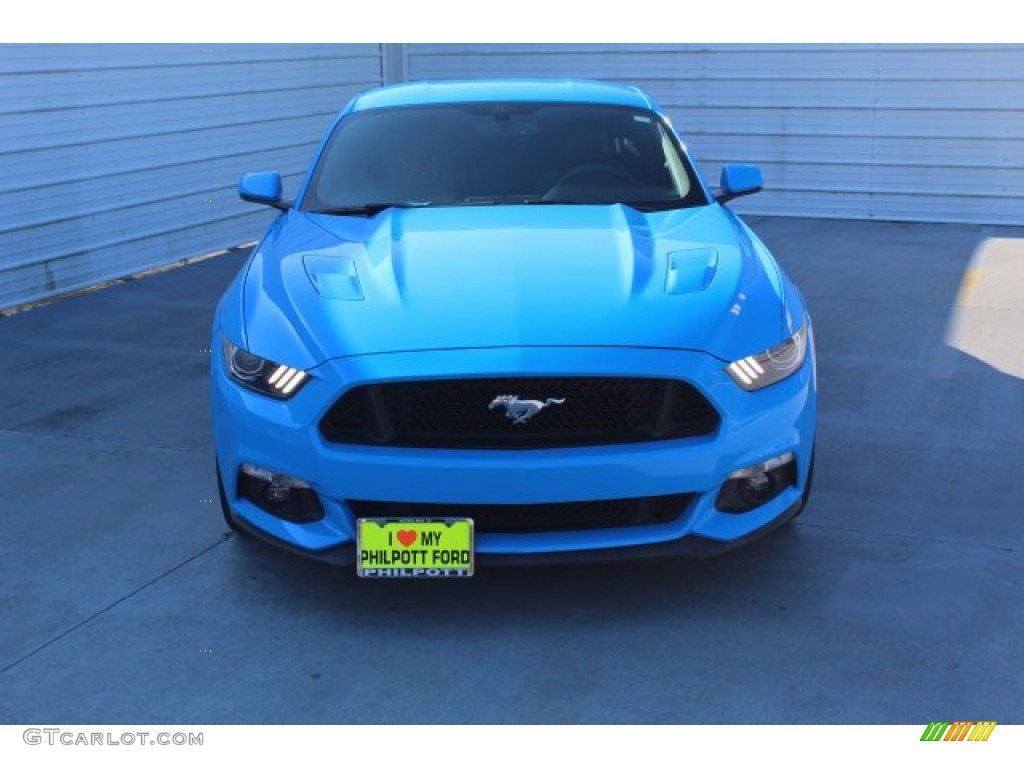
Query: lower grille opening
point(539, 518)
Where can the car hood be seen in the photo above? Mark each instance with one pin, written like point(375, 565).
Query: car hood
point(322, 287)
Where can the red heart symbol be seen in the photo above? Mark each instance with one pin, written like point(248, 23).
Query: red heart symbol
point(406, 538)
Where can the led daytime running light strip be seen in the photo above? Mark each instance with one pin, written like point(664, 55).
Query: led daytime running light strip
point(747, 370)
point(286, 379)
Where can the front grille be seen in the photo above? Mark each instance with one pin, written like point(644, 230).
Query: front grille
point(538, 518)
point(457, 413)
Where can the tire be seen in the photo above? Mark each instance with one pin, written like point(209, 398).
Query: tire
point(225, 508)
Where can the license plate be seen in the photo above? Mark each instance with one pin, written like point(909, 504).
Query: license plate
point(425, 549)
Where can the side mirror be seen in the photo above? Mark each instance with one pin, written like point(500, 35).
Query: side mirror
point(263, 188)
point(739, 180)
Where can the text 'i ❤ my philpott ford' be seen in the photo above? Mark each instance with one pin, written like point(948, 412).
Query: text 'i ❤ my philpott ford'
point(437, 548)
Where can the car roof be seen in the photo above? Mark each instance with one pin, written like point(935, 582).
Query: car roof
point(526, 89)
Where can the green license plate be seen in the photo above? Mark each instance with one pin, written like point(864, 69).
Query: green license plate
point(426, 549)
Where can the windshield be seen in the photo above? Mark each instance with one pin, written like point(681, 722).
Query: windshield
point(501, 153)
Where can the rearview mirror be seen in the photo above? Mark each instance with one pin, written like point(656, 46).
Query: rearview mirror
point(263, 188)
point(739, 180)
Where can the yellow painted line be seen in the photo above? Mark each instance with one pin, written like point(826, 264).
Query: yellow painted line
point(18, 308)
point(968, 287)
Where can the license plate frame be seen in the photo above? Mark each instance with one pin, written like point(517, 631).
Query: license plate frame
point(389, 547)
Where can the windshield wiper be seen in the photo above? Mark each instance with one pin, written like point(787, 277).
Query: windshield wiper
point(640, 205)
point(512, 200)
point(545, 201)
point(368, 209)
point(645, 206)
point(372, 209)
point(649, 206)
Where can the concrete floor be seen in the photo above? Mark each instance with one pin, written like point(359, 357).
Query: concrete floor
point(898, 596)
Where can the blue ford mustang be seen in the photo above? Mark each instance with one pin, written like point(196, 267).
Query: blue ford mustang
point(514, 302)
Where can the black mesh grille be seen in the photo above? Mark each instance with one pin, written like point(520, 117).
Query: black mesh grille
point(458, 413)
point(537, 518)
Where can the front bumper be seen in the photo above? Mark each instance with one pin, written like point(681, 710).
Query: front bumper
point(283, 436)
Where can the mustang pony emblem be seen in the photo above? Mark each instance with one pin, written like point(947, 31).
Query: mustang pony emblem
point(521, 411)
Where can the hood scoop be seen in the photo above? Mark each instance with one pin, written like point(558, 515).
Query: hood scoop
point(691, 271)
point(334, 277)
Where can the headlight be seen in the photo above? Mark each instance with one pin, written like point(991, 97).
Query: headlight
point(261, 375)
point(773, 365)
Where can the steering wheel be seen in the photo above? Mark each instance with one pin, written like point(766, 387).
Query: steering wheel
point(596, 169)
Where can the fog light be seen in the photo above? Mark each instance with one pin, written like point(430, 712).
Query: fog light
point(757, 488)
point(280, 495)
point(276, 494)
point(757, 484)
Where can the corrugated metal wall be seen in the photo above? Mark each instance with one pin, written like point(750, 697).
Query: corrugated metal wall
point(116, 158)
point(902, 132)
